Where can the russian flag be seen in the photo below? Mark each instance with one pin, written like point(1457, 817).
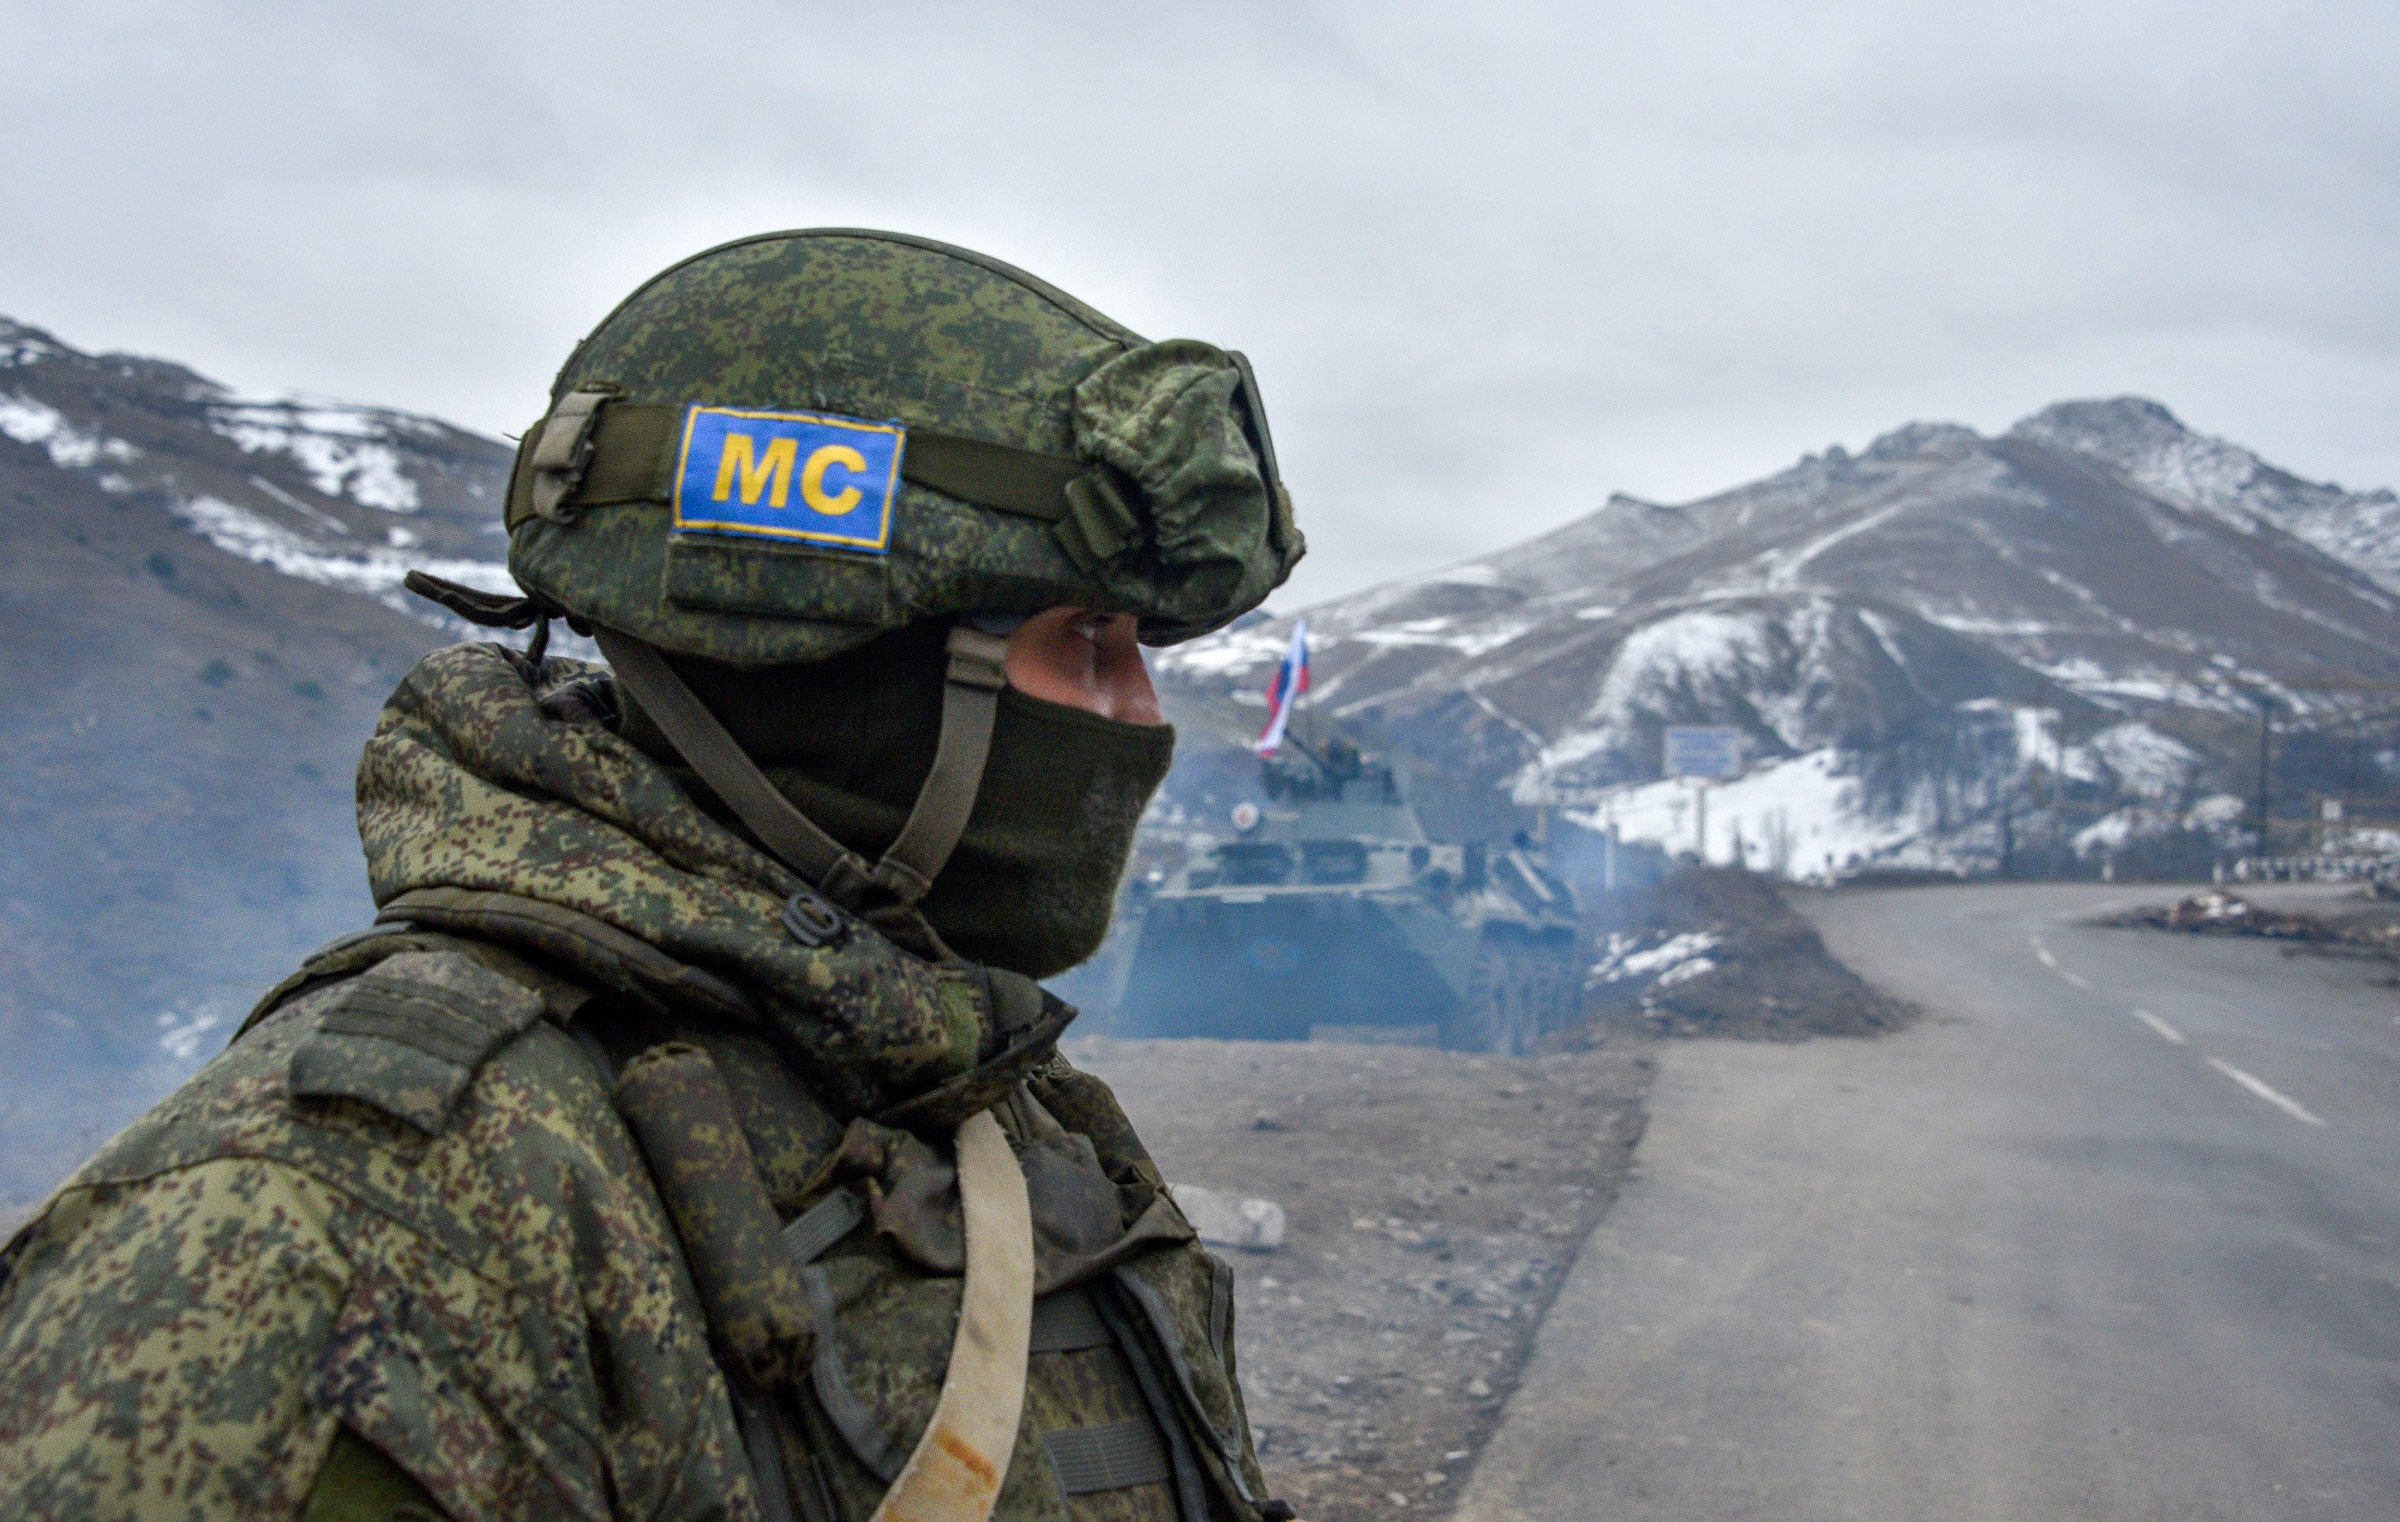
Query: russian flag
point(1283, 692)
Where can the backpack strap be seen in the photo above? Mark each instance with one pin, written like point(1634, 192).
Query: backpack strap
point(958, 1466)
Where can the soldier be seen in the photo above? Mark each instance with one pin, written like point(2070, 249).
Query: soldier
point(687, 1137)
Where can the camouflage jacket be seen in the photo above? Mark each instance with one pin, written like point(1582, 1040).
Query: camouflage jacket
point(407, 1200)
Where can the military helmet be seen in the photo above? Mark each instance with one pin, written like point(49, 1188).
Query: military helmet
point(791, 443)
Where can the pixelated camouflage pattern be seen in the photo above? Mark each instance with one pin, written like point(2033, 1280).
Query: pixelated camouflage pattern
point(791, 1136)
point(473, 1270)
point(881, 326)
point(1092, 1387)
point(1187, 1300)
point(1166, 416)
point(502, 1309)
point(469, 783)
point(873, 324)
point(409, 1035)
point(683, 1116)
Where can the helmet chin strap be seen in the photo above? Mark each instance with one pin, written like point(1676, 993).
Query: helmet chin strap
point(970, 703)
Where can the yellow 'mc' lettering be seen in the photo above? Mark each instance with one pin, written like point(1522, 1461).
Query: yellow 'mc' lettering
point(812, 480)
point(741, 456)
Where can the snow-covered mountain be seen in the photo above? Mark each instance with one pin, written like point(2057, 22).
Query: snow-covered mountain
point(2143, 443)
point(328, 492)
point(1944, 650)
point(199, 594)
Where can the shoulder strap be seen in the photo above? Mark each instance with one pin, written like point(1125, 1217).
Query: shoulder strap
point(409, 1035)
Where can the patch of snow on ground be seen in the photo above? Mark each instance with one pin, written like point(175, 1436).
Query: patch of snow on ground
point(1664, 961)
point(2362, 842)
point(1419, 632)
point(31, 422)
point(1664, 665)
point(1229, 651)
point(15, 350)
point(2020, 628)
point(2093, 681)
point(2146, 762)
point(1684, 972)
point(372, 569)
point(1799, 818)
point(2108, 833)
point(1469, 575)
point(342, 450)
point(1362, 610)
point(1787, 567)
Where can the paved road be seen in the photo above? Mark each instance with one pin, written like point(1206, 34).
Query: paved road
point(2039, 1257)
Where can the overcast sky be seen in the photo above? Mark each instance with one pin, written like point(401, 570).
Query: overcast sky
point(1493, 261)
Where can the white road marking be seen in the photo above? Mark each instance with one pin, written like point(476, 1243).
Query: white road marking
point(2289, 1106)
point(2158, 1025)
point(2051, 962)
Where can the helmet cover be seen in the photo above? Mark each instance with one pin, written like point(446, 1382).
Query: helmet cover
point(787, 445)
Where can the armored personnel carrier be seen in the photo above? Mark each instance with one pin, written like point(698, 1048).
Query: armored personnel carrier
point(1328, 914)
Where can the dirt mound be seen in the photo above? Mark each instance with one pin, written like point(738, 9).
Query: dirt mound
point(2217, 912)
point(2366, 925)
point(1718, 952)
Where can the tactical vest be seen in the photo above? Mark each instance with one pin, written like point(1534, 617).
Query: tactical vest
point(823, 1256)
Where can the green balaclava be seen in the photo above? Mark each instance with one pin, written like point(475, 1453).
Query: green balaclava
point(1031, 883)
point(795, 485)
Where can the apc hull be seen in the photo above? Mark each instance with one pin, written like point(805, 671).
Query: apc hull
point(1296, 967)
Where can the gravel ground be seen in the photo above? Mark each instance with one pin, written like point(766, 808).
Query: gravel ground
point(1434, 1201)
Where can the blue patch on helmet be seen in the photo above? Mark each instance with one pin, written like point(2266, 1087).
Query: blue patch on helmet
point(809, 477)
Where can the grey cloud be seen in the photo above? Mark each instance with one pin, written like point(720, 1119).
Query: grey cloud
point(1493, 261)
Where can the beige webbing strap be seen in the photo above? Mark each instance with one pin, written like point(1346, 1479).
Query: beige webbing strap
point(959, 1464)
point(702, 740)
point(970, 703)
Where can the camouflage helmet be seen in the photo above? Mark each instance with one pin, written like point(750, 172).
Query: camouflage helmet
point(790, 444)
point(991, 444)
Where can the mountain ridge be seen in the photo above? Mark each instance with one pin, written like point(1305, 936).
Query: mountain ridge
point(201, 592)
point(1889, 617)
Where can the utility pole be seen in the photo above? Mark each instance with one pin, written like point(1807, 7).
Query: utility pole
point(2058, 762)
point(2266, 759)
point(2008, 829)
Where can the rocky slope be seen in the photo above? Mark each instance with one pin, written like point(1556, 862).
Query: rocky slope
point(1943, 651)
point(199, 594)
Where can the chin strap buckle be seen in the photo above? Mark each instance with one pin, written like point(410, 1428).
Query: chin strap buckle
point(812, 919)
